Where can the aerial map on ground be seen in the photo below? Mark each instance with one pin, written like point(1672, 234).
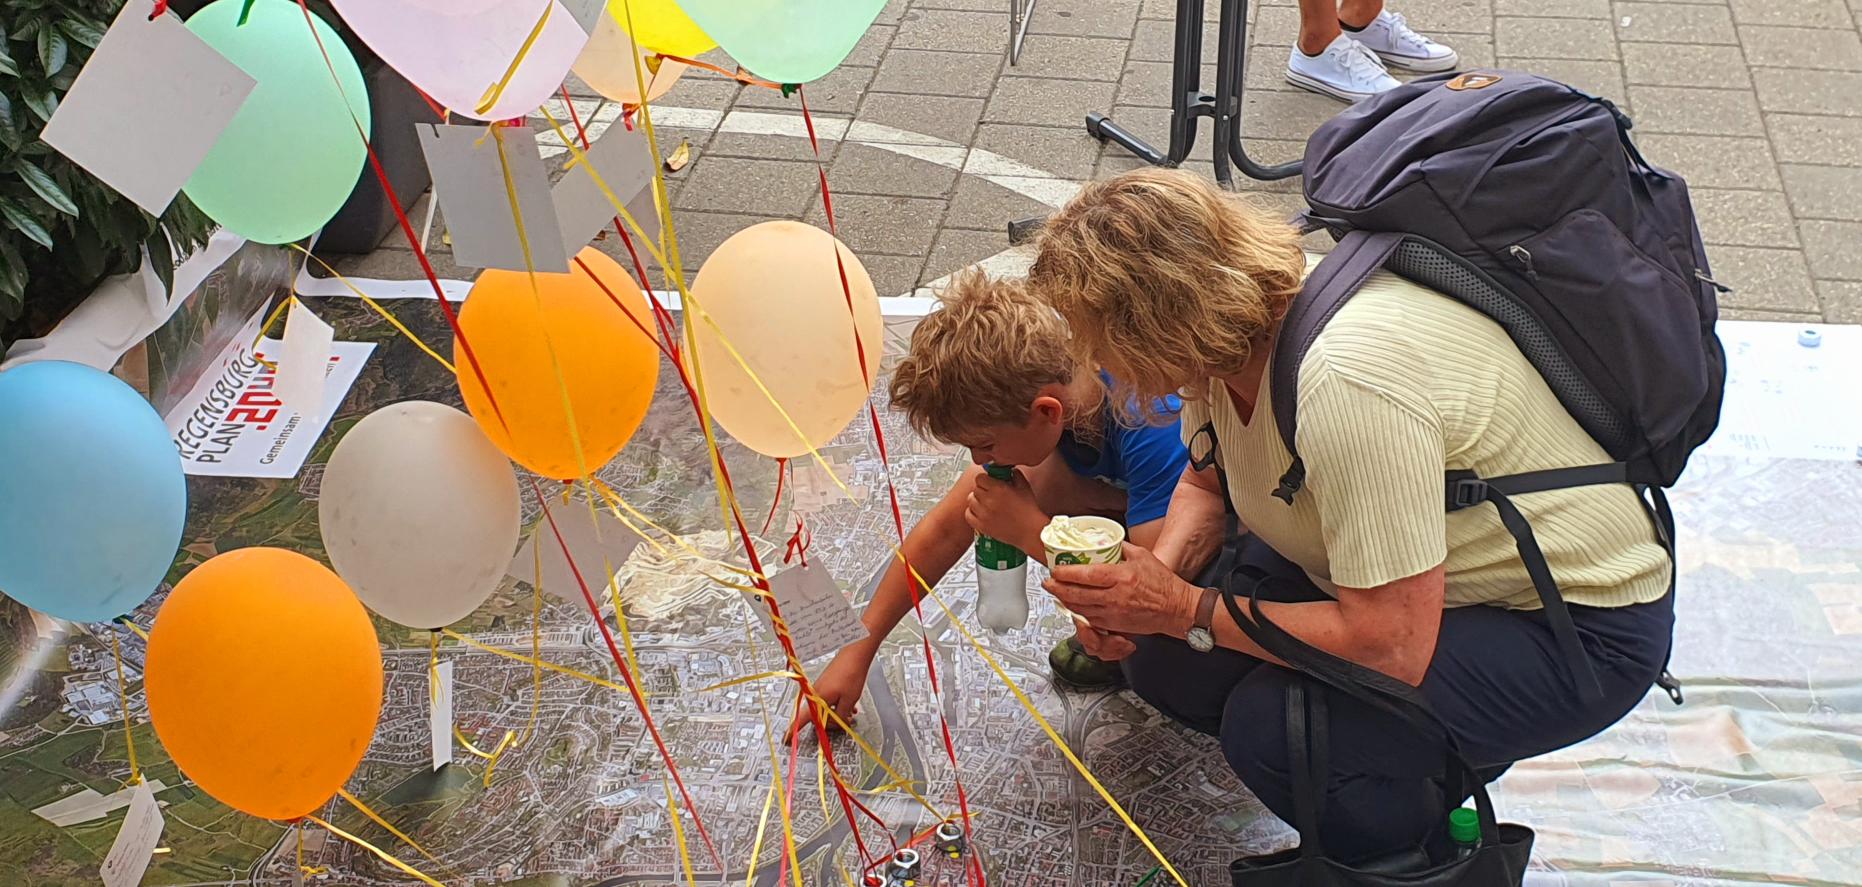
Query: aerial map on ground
point(1751, 780)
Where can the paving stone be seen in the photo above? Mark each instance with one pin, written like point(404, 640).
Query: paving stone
point(1673, 64)
point(700, 233)
point(921, 72)
point(892, 12)
point(953, 31)
point(862, 169)
point(1070, 58)
point(1713, 161)
point(1063, 152)
point(956, 248)
point(1744, 218)
point(388, 263)
point(1704, 111)
point(969, 5)
point(1457, 16)
point(1841, 300)
point(941, 116)
point(1273, 26)
point(1825, 192)
point(979, 204)
point(1267, 69)
point(1554, 8)
point(1816, 139)
point(1156, 41)
point(1796, 13)
point(1085, 18)
point(1728, 313)
point(1048, 102)
point(1167, 9)
point(893, 275)
point(1148, 84)
point(1475, 50)
point(894, 226)
point(837, 93)
point(1554, 38)
point(762, 187)
point(872, 46)
point(1831, 249)
point(1810, 92)
point(695, 92)
point(1597, 78)
point(1835, 49)
point(1286, 115)
point(1674, 23)
point(766, 147)
point(1766, 279)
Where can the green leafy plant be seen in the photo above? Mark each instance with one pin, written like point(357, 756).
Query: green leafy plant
point(61, 230)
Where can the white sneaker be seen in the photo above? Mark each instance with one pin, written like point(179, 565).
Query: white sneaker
point(1401, 47)
point(1345, 70)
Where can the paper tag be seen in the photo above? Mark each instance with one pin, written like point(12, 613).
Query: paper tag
point(440, 714)
point(469, 183)
point(135, 843)
point(582, 208)
point(819, 617)
point(147, 107)
point(305, 363)
point(596, 543)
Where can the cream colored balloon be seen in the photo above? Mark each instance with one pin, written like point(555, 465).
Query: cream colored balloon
point(775, 293)
point(607, 65)
point(419, 513)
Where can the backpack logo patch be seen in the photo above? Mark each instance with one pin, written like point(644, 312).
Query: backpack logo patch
point(1473, 81)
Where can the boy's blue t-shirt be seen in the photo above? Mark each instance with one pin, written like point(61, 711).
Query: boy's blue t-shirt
point(1145, 462)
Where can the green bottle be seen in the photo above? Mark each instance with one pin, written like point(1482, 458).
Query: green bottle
point(1001, 575)
point(1464, 829)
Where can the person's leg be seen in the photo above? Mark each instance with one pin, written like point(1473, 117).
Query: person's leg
point(1499, 684)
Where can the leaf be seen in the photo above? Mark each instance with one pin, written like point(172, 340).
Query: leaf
point(7, 66)
point(6, 111)
point(680, 157)
point(53, 50)
point(28, 27)
point(40, 101)
point(25, 223)
point(162, 259)
point(43, 185)
point(84, 32)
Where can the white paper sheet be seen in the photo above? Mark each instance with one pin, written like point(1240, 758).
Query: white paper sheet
point(1788, 401)
point(440, 715)
point(129, 856)
point(819, 618)
point(475, 200)
point(305, 361)
point(147, 107)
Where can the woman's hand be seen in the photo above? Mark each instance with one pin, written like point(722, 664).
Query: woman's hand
point(1139, 596)
point(1102, 645)
point(1006, 510)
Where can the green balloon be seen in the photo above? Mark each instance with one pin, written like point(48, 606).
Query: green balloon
point(291, 156)
point(788, 41)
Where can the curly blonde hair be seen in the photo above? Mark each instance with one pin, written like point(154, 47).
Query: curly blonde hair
point(981, 359)
point(1165, 280)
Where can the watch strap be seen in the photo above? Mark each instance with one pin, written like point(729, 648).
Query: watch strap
point(1205, 608)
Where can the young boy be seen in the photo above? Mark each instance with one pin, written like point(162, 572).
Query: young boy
point(991, 371)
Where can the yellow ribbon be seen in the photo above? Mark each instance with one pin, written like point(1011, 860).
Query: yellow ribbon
point(306, 869)
point(756, 849)
point(496, 90)
point(678, 832)
point(378, 820)
point(122, 698)
point(535, 661)
point(385, 313)
point(382, 854)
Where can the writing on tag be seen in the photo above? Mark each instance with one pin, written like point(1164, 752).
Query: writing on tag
point(440, 716)
point(135, 843)
point(820, 619)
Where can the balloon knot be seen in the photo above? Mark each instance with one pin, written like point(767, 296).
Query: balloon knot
point(788, 89)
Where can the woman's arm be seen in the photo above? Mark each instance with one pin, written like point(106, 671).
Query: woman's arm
point(1193, 528)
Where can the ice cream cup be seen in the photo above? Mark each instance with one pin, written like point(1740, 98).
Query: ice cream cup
point(1059, 554)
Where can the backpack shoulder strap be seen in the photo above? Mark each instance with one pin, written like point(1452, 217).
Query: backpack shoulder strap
point(1337, 278)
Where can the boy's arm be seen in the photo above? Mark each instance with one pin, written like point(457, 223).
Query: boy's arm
point(933, 547)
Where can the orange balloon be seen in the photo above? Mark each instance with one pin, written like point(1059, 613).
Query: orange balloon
point(608, 365)
point(264, 681)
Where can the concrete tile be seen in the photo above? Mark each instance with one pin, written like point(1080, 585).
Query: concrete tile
point(1286, 115)
point(1085, 18)
point(1476, 50)
point(1167, 10)
point(1597, 78)
point(956, 248)
point(1048, 102)
point(1675, 64)
point(892, 12)
point(1824, 192)
point(400, 264)
point(872, 46)
point(1841, 300)
point(1674, 23)
point(1063, 152)
point(952, 31)
point(1766, 279)
point(1744, 218)
point(838, 93)
point(1455, 16)
point(1816, 139)
point(1810, 92)
point(1705, 111)
point(1833, 48)
point(981, 205)
point(1148, 84)
point(762, 187)
point(1831, 249)
point(893, 275)
point(1274, 26)
point(896, 226)
point(1156, 40)
point(1267, 69)
point(1554, 8)
point(694, 92)
point(1554, 38)
point(1070, 58)
point(969, 5)
point(700, 233)
point(941, 116)
point(920, 72)
point(1713, 161)
point(860, 169)
point(1796, 13)
point(766, 147)
point(1727, 313)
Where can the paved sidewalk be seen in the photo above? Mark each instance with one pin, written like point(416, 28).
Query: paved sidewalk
point(934, 142)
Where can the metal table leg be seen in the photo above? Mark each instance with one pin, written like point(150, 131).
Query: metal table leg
point(1020, 13)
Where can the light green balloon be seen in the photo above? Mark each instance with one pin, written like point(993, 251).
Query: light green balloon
point(291, 156)
point(788, 41)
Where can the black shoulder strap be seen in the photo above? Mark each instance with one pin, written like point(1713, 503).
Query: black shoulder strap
point(1337, 278)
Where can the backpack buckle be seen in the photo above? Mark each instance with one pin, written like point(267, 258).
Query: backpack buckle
point(1465, 490)
point(1291, 482)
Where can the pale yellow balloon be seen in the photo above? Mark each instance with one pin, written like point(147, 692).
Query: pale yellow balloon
point(661, 26)
point(774, 292)
point(607, 65)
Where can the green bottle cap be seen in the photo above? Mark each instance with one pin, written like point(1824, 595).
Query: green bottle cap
point(1464, 825)
point(999, 472)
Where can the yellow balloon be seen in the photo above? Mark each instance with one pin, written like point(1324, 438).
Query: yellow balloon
point(607, 65)
point(774, 291)
point(661, 26)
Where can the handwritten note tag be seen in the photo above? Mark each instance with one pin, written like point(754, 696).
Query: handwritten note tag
point(819, 617)
point(440, 716)
point(135, 844)
point(305, 362)
point(147, 107)
point(469, 182)
point(625, 164)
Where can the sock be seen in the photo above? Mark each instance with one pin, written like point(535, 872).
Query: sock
point(1351, 30)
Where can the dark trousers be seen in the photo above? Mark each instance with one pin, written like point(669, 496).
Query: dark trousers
point(1497, 681)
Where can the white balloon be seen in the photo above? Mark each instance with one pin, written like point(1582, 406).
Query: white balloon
point(419, 513)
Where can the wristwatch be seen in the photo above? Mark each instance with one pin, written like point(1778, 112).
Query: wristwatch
point(1199, 637)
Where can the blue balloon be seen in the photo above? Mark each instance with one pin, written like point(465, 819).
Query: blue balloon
point(92, 497)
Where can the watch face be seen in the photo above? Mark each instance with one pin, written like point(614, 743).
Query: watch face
point(1200, 640)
